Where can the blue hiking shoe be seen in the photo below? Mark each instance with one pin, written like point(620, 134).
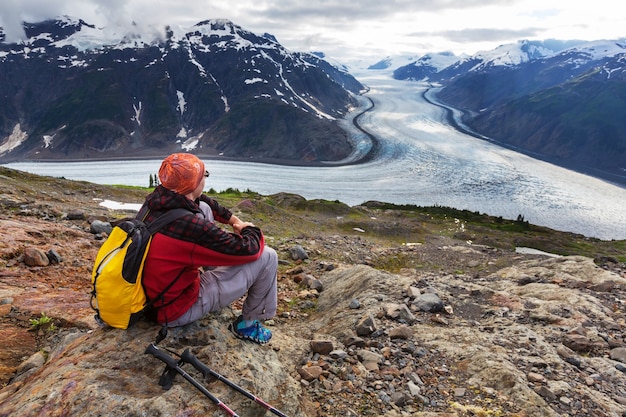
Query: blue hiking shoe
point(256, 332)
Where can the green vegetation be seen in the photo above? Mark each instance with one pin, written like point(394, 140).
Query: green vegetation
point(289, 215)
point(43, 322)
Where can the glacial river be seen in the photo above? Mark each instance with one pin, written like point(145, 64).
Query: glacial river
point(421, 160)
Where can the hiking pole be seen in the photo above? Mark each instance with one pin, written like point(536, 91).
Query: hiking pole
point(173, 364)
point(190, 358)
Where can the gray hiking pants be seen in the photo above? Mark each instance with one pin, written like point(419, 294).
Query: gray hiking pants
point(222, 285)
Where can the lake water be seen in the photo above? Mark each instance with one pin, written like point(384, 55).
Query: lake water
point(422, 161)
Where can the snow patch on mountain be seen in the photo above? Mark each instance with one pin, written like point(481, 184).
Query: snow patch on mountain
point(15, 139)
point(92, 38)
point(600, 49)
point(181, 102)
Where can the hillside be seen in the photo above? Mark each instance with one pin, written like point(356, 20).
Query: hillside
point(560, 101)
point(586, 134)
point(72, 92)
point(515, 334)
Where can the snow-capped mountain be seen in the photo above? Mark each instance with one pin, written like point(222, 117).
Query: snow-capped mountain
point(425, 66)
point(561, 100)
point(446, 66)
point(73, 90)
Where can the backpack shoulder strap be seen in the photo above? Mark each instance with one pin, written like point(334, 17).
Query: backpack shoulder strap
point(166, 218)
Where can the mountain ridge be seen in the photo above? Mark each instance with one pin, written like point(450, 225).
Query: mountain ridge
point(561, 100)
point(77, 91)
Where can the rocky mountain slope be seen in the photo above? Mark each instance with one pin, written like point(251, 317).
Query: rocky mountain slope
point(384, 310)
point(72, 90)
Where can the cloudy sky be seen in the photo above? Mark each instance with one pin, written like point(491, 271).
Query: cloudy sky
point(348, 30)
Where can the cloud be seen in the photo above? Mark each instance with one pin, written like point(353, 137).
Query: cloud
point(10, 19)
point(13, 30)
point(345, 29)
point(115, 15)
point(14, 12)
point(480, 35)
point(364, 9)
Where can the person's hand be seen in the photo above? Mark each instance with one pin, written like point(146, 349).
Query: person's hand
point(239, 226)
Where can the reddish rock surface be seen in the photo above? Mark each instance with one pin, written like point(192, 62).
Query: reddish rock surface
point(61, 291)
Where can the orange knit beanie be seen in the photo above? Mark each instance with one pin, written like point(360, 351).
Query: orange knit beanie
point(181, 172)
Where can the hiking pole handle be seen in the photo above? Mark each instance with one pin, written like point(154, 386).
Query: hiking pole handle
point(173, 364)
point(190, 358)
point(161, 355)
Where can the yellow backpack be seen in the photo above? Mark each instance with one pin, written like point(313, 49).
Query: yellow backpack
point(117, 295)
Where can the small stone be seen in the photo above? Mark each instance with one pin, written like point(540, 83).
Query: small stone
point(578, 343)
point(54, 257)
point(618, 354)
point(34, 361)
point(354, 304)
point(439, 320)
point(565, 401)
point(298, 253)
point(442, 370)
point(574, 361)
point(327, 384)
point(354, 341)
point(415, 378)
point(299, 278)
point(337, 387)
point(325, 267)
point(310, 373)
point(400, 399)
point(536, 378)
point(370, 360)
point(316, 284)
point(414, 389)
point(338, 354)
point(428, 302)
point(5, 309)
point(323, 347)
point(564, 351)
point(413, 292)
point(546, 393)
point(366, 326)
point(297, 270)
point(35, 257)
point(402, 332)
point(399, 312)
point(605, 286)
point(75, 215)
point(98, 227)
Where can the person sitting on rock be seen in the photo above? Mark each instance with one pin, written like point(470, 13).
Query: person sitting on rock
point(209, 266)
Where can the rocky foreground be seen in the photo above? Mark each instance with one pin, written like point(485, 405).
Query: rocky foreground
point(458, 329)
